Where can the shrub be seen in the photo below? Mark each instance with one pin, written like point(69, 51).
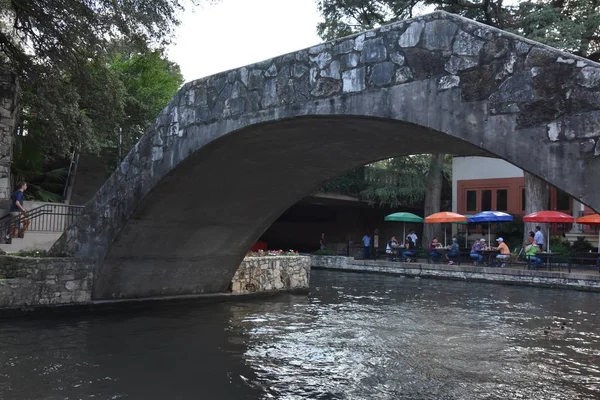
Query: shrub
point(581, 245)
point(560, 245)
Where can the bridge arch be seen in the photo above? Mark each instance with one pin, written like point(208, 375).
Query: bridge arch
point(231, 152)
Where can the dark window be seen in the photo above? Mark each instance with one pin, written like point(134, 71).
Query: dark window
point(502, 200)
point(471, 200)
point(523, 199)
point(486, 200)
point(562, 200)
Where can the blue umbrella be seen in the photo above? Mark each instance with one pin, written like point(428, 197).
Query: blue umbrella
point(489, 217)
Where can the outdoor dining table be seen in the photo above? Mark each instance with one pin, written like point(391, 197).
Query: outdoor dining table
point(491, 256)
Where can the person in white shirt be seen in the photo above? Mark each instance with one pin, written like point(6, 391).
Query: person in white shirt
point(413, 236)
point(539, 237)
point(367, 245)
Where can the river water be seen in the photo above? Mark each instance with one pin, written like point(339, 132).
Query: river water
point(355, 336)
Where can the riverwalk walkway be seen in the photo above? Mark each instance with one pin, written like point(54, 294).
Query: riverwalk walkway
point(584, 279)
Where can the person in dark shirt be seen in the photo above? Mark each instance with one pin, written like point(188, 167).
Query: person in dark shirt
point(17, 211)
point(410, 247)
point(322, 244)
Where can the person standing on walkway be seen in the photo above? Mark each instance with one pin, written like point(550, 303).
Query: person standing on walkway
point(17, 211)
point(539, 237)
point(322, 242)
point(413, 237)
point(366, 246)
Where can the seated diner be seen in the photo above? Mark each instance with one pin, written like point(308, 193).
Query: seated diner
point(504, 252)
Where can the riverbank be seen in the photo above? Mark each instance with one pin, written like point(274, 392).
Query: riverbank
point(581, 280)
point(63, 283)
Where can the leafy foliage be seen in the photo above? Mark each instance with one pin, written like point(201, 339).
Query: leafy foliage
point(581, 245)
point(45, 180)
point(60, 49)
point(150, 80)
point(349, 184)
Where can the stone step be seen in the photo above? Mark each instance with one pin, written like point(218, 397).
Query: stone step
point(31, 241)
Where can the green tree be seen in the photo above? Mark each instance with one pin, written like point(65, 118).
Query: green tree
point(150, 81)
point(59, 49)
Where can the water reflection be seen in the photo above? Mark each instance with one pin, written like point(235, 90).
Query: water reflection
point(356, 336)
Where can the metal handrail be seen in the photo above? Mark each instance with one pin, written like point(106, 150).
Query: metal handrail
point(46, 218)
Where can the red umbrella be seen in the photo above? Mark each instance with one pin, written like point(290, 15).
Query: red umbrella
point(546, 217)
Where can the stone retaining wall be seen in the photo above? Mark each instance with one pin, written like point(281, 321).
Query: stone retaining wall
point(575, 280)
point(262, 274)
point(27, 281)
point(9, 92)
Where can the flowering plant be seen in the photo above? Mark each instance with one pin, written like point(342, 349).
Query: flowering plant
point(272, 253)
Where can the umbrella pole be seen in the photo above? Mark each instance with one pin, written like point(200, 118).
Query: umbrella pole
point(489, 236)
point(467, 236)
point(548, 240)
point(404, 230)
point(444, 235)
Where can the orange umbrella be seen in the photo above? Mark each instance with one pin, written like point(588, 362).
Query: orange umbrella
point(592, 219)
point(443, 217)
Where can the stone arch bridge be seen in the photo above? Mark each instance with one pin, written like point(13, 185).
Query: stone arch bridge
point(231, 152)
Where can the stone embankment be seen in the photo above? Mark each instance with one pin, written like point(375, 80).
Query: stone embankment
point(28, 281)
point(264, 274)
point(585, 280)
point(31, 282)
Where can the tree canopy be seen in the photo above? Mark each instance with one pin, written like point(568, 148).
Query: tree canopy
point(61, 51)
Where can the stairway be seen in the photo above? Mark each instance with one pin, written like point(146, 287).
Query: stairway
point(590, 237)
point(47, 223)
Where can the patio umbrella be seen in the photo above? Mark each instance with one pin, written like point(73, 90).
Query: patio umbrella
point(445, 217)
point(489, 217)
point(592, 219)
point(403, 217)
point(546, 217)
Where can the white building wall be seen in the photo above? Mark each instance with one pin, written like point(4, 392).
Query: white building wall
point(466, 168)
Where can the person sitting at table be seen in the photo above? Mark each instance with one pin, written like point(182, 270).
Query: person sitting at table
point(530, 254)
point(391, 247)
point(453, 251)
point(475, 254)
point(504, 252)
point(410, 247)
point(435, 256)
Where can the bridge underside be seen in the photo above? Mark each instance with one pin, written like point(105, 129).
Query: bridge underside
point(191, 232)
point(231, 152)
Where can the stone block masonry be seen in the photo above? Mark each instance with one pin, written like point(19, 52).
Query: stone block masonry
point(580, 281)
point(433, 84)
point(9, 92)
point(264, 274)
point(27, 281)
